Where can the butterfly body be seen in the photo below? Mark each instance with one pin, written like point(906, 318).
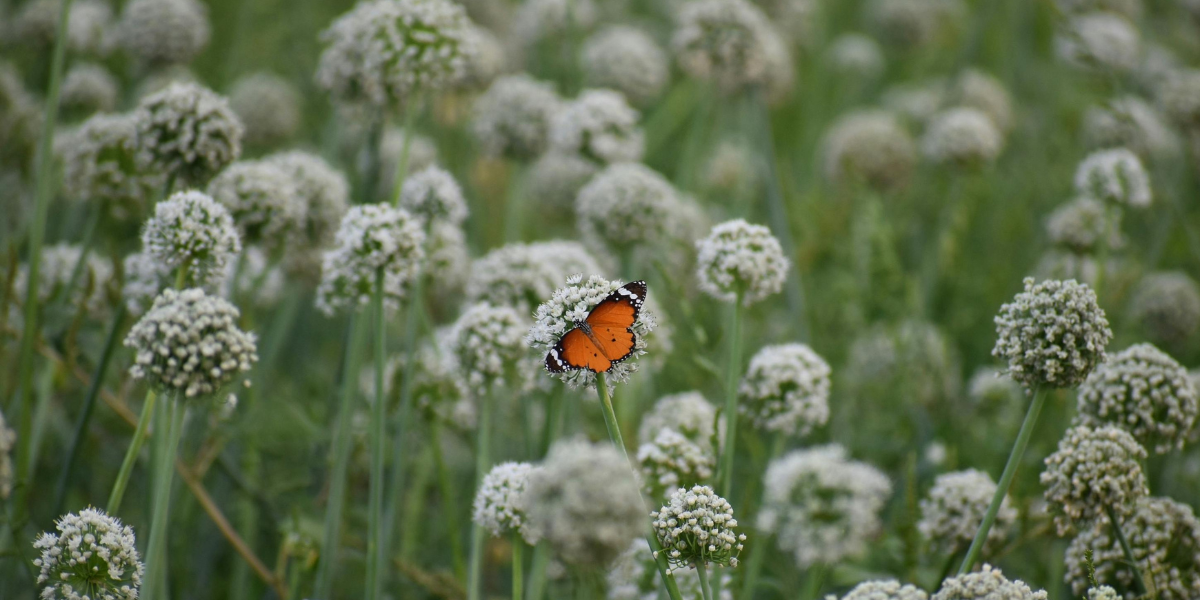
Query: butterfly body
point(605, 337)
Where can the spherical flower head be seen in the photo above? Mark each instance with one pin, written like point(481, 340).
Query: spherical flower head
point(689, 414)
point(486, 343)
point(145, 277)
point(1164, 536)
point(1084, 223)
point(555, 178)
point(724, 41)
point(955, 507)
point(1130, 122)
point(1115, 176)
point(870, 147)
point(433, 195)
point(987, 583)
point(1052, 334)
point(625, 59)
point(1167, 306)
point(855, 55)
point(570, 305)
point(585, 503)
point(8, 438)
point(93, 556)
point(786, 390)
point(740, 261)
point(696, 528)
point(447, 255)
point(822, 507)
point(599, 125)
point(628, 206)
point(539, 20)
point(885, 590)
point(512, 118)
point(268, 107)
point(913, 357)
point(671, 460)
point(189, 343)
point(37, 24)
point(262, 199)
point(1178, 96)
point(525, 275)
point(963, 137)
point(484, 59)
point(1145, 392)
point(1094, 470)
point(980, 90)
point(164, 32)
point(100, 164)
point(500, 502)
point(323, 191)
point(87, 89)
point(383, 52)
point(188, 131)
point(190, 230)
point(58, 265)
point(1099, 40)
point(371, 238)
point(1103, 592)
point(254, 278)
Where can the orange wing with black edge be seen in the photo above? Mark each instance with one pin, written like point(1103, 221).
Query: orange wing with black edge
point(611, 322)
point(575, 351)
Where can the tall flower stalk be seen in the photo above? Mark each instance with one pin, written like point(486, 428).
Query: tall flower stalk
point(732, 373)
point(483, 442)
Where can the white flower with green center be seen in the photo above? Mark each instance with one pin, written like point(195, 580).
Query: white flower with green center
point(671, 460)
point(625, 59)
point(599, 125)
point(740, 260)
point(786, 390)
point(92, 556)
point(512, 118)
point(525, 275)
point(187, 131)
point(433, 195)
point(696, 528)
point(190, 230)
point(1115, 176)
point(100, 164)
point(987, 583)
point(954, 509)
point(500, 502)
point(263, 200)
point(486, 345)
point(884, 590)
point(164, 32)
point(1094, 471)
point(372, 238)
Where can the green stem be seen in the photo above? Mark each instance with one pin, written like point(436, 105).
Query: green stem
point(614, 434)
point(156, 553)
point(131, 454)
point(392, 505)
point(537, 573)
point(89, 403)
point(514, 205)
point(813, 577)
point(410, 117)
point(1143, 589)
point(447, 485)
point(482, 462)
point(370, 174)
point(1102, 252)
point(518, 568)
point(702, 572)
point(378, 435)
point(731, 381)
point(1010, 469)
point(759, 552)
point(554, 420)
point(323, 589)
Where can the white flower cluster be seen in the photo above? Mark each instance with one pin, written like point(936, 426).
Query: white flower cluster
point(1052, 334)
point(268, 106)
point(1103, 592)
point(371, 238)
point(1093, 470)
point(571, 304)
point(962, 136)
point(555, 179)
point(190, 230)
point(914, 357)
point(671, 460)
point(58, 264)
point(990, 389)
point(625, 59)
point(93, 556)
point(447, 255)
point(633, 577)
point(262, 199)
point(954, 509)
point(821, 506)
point(257, 280)
point(884, 590)
point(687, 413)
point(100, 164)
point(855, 55)
point(188, 131)
point(162, 32)
point(1178, 97)
point(486, 343)
point(145, 277)
point(731, 172)
point(727, 41)
point(1164, 536)
point(500, 501)
point(1082, 224)
point(598, 125)
point(432, 195)
point(537, 20)
point(1116, 176)
point(1167, 305)
point(871, 147)
point(421, 153)
point(8, 438)
point(36, 23)
point(740, 260)
point(484, 59)
point(1099, 40)
point(987, 583)
point(1145, 392)
point(913, 24)
point(513, 117)
point(1130, 122)
point(323, 191)
point(585, 503)
point(87, 89)
point(385, 51)
point(525, 275)
point(189, 343)
point(696, 527)
point(628, 206)
point(786, 390)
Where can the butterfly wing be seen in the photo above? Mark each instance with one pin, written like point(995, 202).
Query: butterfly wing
point(575, 351)
point(612, 320)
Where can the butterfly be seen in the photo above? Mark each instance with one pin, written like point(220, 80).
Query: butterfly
point(605, 337)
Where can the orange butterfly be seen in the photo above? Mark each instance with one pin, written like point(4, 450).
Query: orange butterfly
point(605, 337)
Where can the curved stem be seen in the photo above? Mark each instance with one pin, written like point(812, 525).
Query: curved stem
point(1010, 469)
point(482, 462)
point(378, 435)
point(734, 369)
point(1143, 589)
point(518, 569)
point(704, 587)
point(131, 454)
